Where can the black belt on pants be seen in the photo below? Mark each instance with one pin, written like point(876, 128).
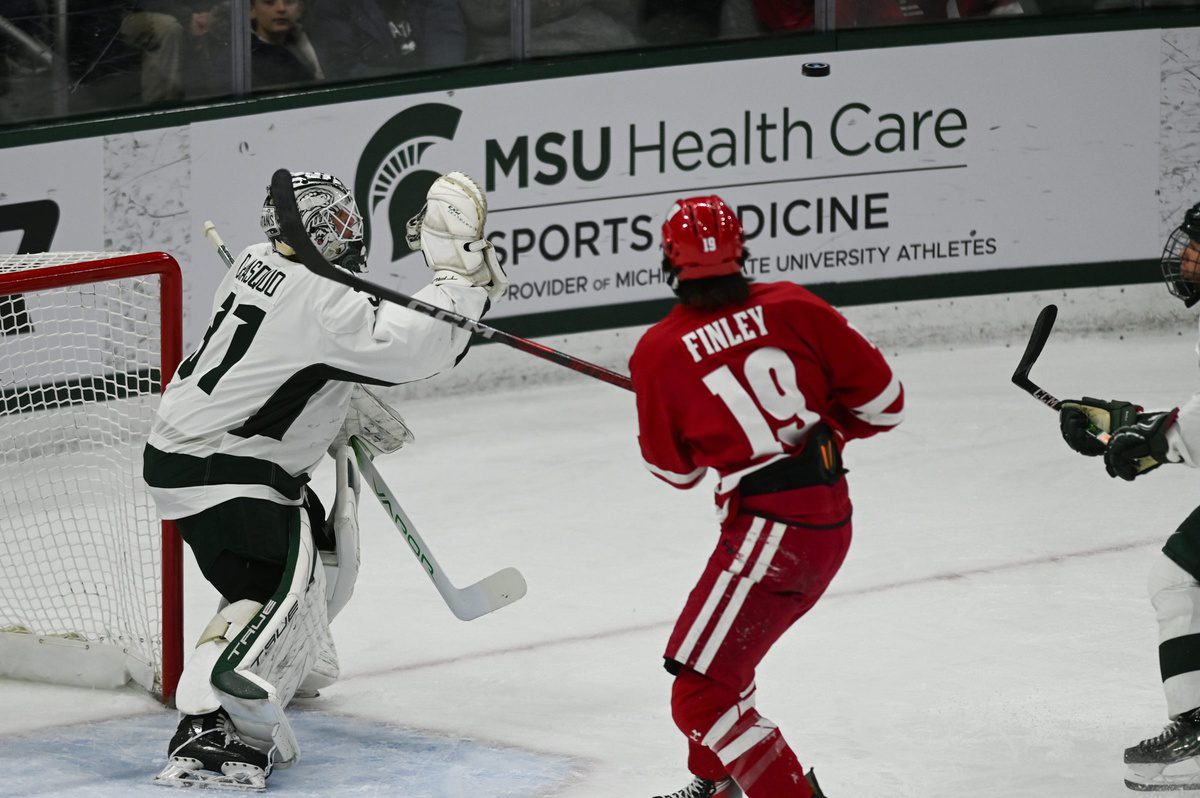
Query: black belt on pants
point(818, 463)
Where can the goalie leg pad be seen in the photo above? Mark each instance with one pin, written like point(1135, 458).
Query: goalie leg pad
point(1175, 594)
point(262, 667)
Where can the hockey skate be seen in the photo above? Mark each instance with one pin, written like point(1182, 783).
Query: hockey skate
point(1170, 761)
point(726, 788)
point(206, 751)
point(703, 788)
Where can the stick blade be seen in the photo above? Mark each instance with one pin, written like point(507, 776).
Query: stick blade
point(292, 227)
point(489, 594)
point(1037, 341)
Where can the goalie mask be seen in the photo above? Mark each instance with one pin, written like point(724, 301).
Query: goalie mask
point(1181, 258)
point(701, 238)
point(330, 216)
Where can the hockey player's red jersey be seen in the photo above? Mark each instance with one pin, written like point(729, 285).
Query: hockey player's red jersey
point(738, 388)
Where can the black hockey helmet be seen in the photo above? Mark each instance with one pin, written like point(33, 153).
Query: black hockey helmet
point(1181, 258)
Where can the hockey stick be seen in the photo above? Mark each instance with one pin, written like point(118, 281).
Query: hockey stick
point(210, 232)
point(1037, 342)
point(468, 603)
point(289, 222)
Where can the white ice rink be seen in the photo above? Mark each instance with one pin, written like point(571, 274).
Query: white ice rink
point(989, 635)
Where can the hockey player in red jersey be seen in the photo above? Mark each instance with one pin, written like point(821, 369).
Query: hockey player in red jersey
point(764, 383)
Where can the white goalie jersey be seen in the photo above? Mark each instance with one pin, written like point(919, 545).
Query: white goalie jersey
point(251, 411)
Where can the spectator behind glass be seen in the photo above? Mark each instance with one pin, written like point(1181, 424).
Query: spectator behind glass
point(26, 16)
point(557, 27)
point(280, 52)
point(368, 38)
point(157, 28)
point(665, 22)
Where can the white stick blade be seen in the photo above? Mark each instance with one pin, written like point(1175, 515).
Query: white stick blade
point(488, 594)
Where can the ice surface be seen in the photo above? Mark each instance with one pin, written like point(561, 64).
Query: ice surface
point(989, 635)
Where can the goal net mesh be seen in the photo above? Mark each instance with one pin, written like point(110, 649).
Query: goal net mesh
point(80, 371)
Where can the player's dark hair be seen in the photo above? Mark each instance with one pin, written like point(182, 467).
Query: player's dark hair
point(710, 293)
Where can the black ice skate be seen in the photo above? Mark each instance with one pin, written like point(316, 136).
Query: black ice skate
point(206, 751)
point(726, 788)
point(811, 778)
point(703, 788)
point(1170, 761)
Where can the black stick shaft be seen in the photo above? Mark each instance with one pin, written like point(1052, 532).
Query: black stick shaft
point(297, 237)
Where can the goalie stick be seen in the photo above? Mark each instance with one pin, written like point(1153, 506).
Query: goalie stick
point(468, 603)
point(1037, 341)
point(210, 232)
point(289, 221)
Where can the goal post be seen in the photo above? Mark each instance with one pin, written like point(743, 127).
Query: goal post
point(91, 591)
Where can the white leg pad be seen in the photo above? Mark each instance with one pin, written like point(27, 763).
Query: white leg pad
point(262, 667)
point(262, 723)
point(325, 670)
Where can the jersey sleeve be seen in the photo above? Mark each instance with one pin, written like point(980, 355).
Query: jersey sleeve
point(1183, 437)
point(392, 344)
point(868, 397)
point(664, 452)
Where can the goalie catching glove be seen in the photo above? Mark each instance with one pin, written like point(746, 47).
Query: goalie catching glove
point(1081, 419)
point(449, 232)
point(1139, 447)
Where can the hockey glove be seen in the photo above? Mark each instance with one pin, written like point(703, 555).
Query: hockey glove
point(1139, 447)
point(449, 230)
point(1081, 419)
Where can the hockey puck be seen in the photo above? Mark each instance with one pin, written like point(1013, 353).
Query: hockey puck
point(815, 69)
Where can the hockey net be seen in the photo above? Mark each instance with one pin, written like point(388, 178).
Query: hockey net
point(91, 587)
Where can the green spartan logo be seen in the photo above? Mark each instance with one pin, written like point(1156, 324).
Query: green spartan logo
point(388, 170)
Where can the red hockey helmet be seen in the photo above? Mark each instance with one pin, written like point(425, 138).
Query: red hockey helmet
point(702, 237)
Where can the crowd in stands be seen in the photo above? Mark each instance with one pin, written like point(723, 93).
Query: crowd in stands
point(161, 51)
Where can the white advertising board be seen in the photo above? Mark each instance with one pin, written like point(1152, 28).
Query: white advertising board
point(915, 161)
point(964, 157)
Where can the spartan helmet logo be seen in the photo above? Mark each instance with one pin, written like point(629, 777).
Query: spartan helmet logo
point(389, 178)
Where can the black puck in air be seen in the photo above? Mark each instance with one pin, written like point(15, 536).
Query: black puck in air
point(815, 69)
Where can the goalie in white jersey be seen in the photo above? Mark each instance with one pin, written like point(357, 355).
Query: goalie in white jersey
point(242, 426)
point(1140, 442)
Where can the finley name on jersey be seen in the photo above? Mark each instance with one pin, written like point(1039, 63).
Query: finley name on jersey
point(259, 276)
point(725, 332)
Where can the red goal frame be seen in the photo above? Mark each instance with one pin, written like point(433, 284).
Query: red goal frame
point(120, 266)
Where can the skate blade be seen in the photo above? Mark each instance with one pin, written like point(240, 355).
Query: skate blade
point(1155, 777)
point(189, 773)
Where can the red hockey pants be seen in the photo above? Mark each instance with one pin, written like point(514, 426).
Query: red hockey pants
point(776, 556)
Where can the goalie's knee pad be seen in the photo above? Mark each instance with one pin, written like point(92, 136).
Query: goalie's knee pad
point(194, 695)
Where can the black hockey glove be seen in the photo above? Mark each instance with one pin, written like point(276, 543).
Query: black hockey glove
point(1139, 447)
point(1081, 419)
